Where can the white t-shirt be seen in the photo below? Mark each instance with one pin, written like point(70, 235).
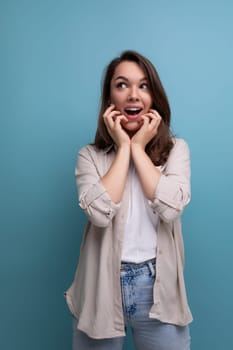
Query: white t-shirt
point(140, 237)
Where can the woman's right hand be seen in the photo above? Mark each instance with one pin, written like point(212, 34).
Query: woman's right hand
point(115, 178)
point(112, 120)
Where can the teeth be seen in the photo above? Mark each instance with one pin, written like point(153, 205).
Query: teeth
point(133, 110)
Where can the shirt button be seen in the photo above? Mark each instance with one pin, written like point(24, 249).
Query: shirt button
point(108, 212)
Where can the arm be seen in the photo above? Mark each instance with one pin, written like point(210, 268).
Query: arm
point(114, 180)
point(148, 174)
point(99, 194)
point(93, 197)
point(167, 192)
point(173, 191)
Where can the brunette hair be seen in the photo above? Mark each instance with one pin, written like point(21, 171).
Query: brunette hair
point(159, 147)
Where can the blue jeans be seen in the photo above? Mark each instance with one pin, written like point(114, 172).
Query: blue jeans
point(137, 282)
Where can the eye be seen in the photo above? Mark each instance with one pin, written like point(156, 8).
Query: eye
point(121, 85)
point(144, 86)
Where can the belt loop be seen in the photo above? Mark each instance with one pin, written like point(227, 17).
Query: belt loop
point(151, 268)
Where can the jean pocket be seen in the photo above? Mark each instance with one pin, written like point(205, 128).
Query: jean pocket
point(152, 268)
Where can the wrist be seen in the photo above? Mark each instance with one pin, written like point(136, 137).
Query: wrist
point(135, 146)
point(124, 146)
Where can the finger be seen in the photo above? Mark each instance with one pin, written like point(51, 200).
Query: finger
point(154, 112)
point(109, 109)
point(155, 119)
point(114, 114)
point(110, 117)
point(110, 114)
point(146, 119)
point(121, 118)
point(107, 120)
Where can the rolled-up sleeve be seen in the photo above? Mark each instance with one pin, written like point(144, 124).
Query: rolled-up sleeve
point(173, 190)
point(93, 197)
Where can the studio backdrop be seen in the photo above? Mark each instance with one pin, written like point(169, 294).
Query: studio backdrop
point(53, 53)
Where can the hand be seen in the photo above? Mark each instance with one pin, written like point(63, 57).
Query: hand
point(112, 120)
point(148, 130)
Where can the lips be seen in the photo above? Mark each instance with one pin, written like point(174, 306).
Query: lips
point(132, 112)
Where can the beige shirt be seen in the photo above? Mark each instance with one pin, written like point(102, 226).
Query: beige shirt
point(95, 294)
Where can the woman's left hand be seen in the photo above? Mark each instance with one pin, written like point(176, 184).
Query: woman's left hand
point(148, 130)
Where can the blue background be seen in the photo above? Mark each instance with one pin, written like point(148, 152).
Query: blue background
point(52, 56)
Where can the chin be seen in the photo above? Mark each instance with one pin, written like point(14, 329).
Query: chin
point(131, 129)
point(132, 125)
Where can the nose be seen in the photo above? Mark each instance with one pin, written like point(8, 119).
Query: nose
point(133, 94)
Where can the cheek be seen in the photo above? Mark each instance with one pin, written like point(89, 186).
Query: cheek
point(147, 100)
point(150, 102)
point(113, 98)
point(116, 100)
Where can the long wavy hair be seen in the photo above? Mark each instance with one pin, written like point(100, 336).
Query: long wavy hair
point(159, 147)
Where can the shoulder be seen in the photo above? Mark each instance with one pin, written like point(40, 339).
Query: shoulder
point(88, 149)
point(90, 157)
point(179, 153)
point(94, 153)
point(179, 142)
point(180, 145)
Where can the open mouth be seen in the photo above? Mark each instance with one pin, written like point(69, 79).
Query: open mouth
point(132, 111)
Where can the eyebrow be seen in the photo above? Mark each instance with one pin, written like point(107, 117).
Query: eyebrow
point(126, 79)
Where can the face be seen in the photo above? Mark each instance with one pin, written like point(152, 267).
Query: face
point(130, 94)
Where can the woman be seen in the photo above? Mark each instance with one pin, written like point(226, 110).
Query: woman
point(133, 184)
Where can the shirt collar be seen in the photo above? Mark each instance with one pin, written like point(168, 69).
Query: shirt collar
point(109, 148)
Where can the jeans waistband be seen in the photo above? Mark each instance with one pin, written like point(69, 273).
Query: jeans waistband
point(129, 267)
point(137, 265)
